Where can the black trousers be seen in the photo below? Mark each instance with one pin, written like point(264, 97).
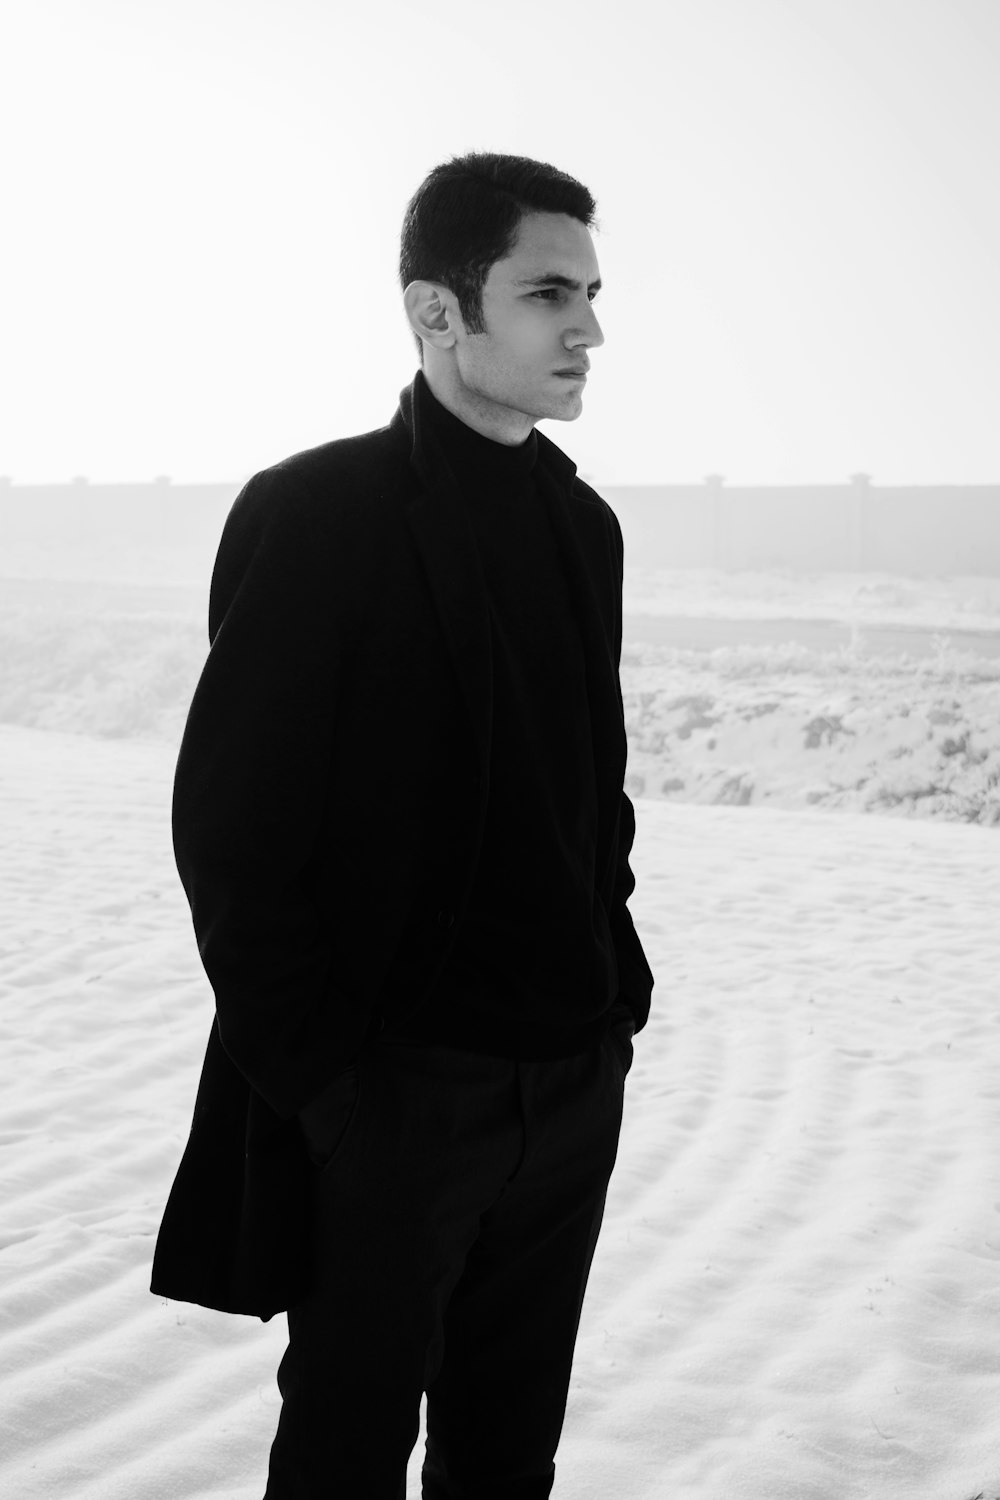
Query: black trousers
point(454, 1228)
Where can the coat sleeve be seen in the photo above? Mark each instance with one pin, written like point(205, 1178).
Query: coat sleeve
point(251, 786)
point(635, 978)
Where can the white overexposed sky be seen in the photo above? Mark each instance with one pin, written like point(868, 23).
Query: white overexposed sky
point(799, 204)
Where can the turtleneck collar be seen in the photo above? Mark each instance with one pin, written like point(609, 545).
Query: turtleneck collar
point(492, 463)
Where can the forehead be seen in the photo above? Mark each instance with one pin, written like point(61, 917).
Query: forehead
point(546, 243)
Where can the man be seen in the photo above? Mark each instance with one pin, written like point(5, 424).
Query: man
point(399, 820)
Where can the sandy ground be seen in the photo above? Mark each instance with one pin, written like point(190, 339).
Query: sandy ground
point(797, 1291)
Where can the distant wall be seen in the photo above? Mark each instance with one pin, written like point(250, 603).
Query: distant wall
point(857, 527)
point(161, 513)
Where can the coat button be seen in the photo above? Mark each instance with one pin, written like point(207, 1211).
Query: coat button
point(445, 918)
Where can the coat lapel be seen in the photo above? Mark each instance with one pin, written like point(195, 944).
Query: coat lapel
point(443, 534)
point(447, 546)
point(446, 543)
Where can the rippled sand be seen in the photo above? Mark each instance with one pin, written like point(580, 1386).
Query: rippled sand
point(797, 1290)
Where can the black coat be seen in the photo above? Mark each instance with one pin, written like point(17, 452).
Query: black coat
point(329, 802)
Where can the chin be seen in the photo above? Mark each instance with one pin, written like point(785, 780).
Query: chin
point(567, 411)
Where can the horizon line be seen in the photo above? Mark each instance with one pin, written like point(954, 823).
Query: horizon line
point(860, 480)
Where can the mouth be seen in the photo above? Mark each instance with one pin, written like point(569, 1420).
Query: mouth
point(571, 374)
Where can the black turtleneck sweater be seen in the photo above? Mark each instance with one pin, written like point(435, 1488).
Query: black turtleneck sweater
point(532, 972)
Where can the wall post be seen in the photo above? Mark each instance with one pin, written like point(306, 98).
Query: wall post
point(720, 546)
point(860, 497)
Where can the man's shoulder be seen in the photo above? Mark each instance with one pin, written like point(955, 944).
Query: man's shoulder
point(362, 457)
point(325, 485)
point(584, 491)
point(563, 468)
point(295, 513)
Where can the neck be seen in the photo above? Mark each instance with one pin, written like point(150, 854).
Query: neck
point(500, 423)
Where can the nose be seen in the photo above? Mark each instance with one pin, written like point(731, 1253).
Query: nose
point(589, 335)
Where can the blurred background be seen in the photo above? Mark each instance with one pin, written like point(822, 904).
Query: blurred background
point(794, 413)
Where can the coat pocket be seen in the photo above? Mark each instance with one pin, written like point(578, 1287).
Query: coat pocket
point(325, 1121)
point(619, 1034)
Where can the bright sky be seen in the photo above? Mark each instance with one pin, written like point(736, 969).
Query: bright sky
point(799, 204)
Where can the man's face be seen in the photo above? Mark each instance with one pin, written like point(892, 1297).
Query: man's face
point(539, 321)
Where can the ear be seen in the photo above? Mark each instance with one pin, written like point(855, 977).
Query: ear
point(432, 313)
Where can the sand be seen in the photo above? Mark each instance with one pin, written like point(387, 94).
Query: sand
point(796, 1294)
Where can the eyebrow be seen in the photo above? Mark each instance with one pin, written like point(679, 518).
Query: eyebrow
point(553, 278)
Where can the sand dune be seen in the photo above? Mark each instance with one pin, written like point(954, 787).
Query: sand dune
point(797, 1291)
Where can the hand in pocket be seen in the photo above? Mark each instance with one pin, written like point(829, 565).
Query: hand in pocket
point(324, 1120)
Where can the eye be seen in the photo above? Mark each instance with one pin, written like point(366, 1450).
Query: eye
point(548, 291)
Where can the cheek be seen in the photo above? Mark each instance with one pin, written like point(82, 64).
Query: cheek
point(521, 350)
point(531, 341)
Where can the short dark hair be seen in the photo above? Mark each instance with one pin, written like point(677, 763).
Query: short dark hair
point(466, 214)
